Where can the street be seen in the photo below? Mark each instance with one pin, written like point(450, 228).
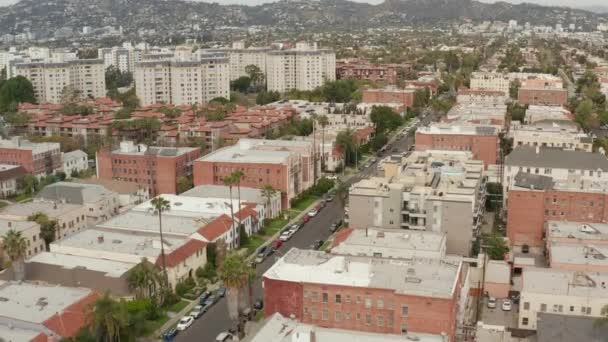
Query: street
point(216, 320)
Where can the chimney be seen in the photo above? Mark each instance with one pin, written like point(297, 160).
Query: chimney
point(100, 239)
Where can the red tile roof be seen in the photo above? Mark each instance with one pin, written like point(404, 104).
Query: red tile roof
point(182, 253)
point(40, 338)
point(216, 228)
point(246, 212)
point(67, 323)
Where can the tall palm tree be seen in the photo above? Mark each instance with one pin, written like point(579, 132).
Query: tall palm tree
point(314, 117)
point(341, 193)
point(268, 192)
point(229, 181)
point(346, 141)
point(323, 121)
point(238, 175)
point(15, 245)
point(108, 319)
point(160, 204)
point(236, 275)
point(143, 279)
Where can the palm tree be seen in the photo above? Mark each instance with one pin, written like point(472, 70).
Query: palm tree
point(229, 181)
point(341, 192)
point(108, 319)
point(268, 192)
point(346, 141)
point(238, 175)
point(236, 275)
point(323, 121)
point(15, 245)
point(143, 279)
point(160, 204)
point(314, 117)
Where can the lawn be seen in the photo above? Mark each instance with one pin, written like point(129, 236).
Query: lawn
point(3, 204)
point(304, 203)
point(273, 226)
point(152, 326)
point(179, 306)
point(254, 242)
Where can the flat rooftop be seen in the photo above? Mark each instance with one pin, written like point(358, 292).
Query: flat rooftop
point(22, 144)
point(420, 277)
point(584, 254)
point(391, 243)
point(109, 267)
point(565, 283)
point(148, 222)
point(19, 226)
point(242, 154)
point(51, 209)
point(223, 192)
point(556, 158)
point(577, 230)
point(456, 129)
point(11, 333)
point(35, 303)
point(188, 206)
point(74, 193)
point(281, 329)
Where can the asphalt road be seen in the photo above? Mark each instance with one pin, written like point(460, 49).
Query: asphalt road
point(216, 320)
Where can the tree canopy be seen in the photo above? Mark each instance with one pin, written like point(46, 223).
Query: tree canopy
point(14, 91)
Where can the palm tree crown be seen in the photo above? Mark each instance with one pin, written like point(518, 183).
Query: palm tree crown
point(14, 245)
point(267, 192)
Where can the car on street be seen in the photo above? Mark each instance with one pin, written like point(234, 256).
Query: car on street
point(258, 305)
point(221, 292)
point(306, 218)
point(286, 235)
point(313, 213)
point(262, 254)
point(209, 303)
point(170, 335)
point(204, 297)
point(185, 323)
point(506, 305)
point(197, 311)
point(223, 337)
point(332, 177)
point(277, 244)
point(329, 199)
point(317, 244)
point(334, 226)
point(492, 303)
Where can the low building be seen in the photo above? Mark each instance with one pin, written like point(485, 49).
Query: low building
point(281, 329)
point(477, 114)
point(536, 113)
point(578, 233)
point(36, 312)
point(578, 257)
point(100, 203)
point(482, 141)
point(567, 293)
point(402, 97)
point(364, 70)
point(365, 293)
point(565, 328)
point(561, 134)
point(285, 165)
point(157, 168)
point(9, 179)
point(129, 194)
point(472, 96)
point(71, 218)
point(38, 159)
point(542, 92)
point(75, 162)
point(389, 243)
point(497, 279)
point(29, 230)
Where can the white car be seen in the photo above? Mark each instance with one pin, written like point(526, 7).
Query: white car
point(313, 213)
point(492, 303)
point(286, 235)
point(506, 305)
point(223, 337)
point(185, 323)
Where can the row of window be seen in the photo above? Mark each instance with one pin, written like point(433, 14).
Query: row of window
point(339, 316)
point(367, 301)
point(558, 308)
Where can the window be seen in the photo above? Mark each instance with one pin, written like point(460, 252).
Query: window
point(404, 310)
point(325, 297)
point(358, 316)
point(315, 296)
point(368, 302)
point(571, 308)
point(524, 321)
point(380, 321)
point(313, 314)
point(526, 305)
point(338, 299)
point(368, 319)
point(404, 328)
point(324, 315)
point(347, 316)
point(586, 310)
point(337, 316)
point(543, 307)
point(348, 298)
point(558, 308)
point(380, 303)
point(358, 300)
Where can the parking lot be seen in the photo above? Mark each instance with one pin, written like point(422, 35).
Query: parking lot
point(497, 316)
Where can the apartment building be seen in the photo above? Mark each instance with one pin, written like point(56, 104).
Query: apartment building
point(478, 114)
point(157, 168)
point(9, 179)
point(568, 293)
point(402, 97)
point(286, 165)
point(478, 96)
point(367, 294)
point(436, 191)
point(542, 95)
point(74, 162)
point(240, 57)
point(490, 81)
point(123, 58)
point(482, 141)
point(182, 81)
point(129, 194)
point(560, 134)
point(364, 70)
point(536, 113)
point(303, 67)
point(49, 79)
point(29, 230)
point(559, 165)
point(38, 159)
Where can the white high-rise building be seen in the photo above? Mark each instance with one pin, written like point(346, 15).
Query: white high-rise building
point(49, 79)
point(123, 58)
point(199, 78)
point(241, 57)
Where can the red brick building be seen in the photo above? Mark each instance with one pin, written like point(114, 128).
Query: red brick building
point(482, 141)
point(363, 70)
point(157, 168)
point(542, 96)
point(38, 159)
point(536, 199)
point(365, 294)
point(403, 97)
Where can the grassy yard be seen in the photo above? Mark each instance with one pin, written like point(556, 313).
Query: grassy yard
point(254, 242)
point(152, 326)
point(3, 204)
point(179, 306)
point(304, 203)
point(273, 226)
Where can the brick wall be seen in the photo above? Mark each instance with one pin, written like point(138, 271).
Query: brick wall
point(483, 147)
point(15, 156)
point(405, 98)
point(551, 97)
point(283, 297)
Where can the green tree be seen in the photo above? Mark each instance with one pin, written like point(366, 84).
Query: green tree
point(14, 246)
point(48, 227)
point(238, 176)
point(385, 119)
point(229, 181)
point(70, 94)
point(30, 184)
point(514, 89)
point(145, 280)
point(117, 79)
point(256, 76)
point(241, 84)
point(323, 121)
point(243, 236)
point(495, 246)
point(582, 113)
point(236, 275)
point(341, 193)
point(517, 112)
point(184, 184)
point(378, 141)
point(452, 61)
point(268, 193)
point(345, 140)
point(108, 319)
point(266, 97)
point(14, 91)
point(160, 205)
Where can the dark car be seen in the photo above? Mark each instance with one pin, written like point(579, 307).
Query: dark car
point(525, 249)
point(334, 226)
point(259, 304)
point(204, 297)
point(170, 335)
point(262, 254)
point(221, 292)
point(317, 244)
point(209, 303)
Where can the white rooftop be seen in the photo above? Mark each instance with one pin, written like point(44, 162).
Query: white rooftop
point(257, 151)
point(583, 254)
point(147, 222)
point(109, 267)
point(207, 207)
point(565, 283)
point(280, 329)
point(20, 226)
point(10, 333)
point(51, 209)
point(420, 277)
point(34, 303)
point(22, 144)
point(391, 243)
point(577, 230)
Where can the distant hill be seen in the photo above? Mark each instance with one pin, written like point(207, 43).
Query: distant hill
point(44, 17)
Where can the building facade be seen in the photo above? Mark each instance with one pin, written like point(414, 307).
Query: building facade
point(38, 159)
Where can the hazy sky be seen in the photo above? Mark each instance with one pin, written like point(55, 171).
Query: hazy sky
point(544, 2)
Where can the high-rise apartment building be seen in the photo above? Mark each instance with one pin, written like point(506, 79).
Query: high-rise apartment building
point(196, 79)
point(122, 58)
point(49, 79)
point(241, 57)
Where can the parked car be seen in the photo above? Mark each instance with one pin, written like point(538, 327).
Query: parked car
point(334, 226)
point(296, 226)
point(197, 311)
point(185, 323)
point(332, 177)
point(258, 305)
point(306, 218)
point(170, 335)
point(506, 305)
point(313, 212)
point(204, 297)
point(262, 254)
point(277, 244)
point(317, 244)
point(492, 303)
point(525, 249)
point(286, 235)
point(329, 198)
point(209, 303)
point(223, 337)
point(221, 292)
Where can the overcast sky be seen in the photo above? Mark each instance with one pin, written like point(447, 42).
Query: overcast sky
point(544, 2)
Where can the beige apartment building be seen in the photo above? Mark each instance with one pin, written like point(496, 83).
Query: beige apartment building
point(562, 134)
point(302, 68)
point(29, 230)
point(49, 79)
point(240, 57)
point(183, 81)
